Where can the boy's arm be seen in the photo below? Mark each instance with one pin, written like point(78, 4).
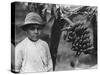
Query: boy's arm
point(49, 60)
point(18, 58)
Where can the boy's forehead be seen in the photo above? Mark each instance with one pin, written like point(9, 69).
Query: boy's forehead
point(33, 26)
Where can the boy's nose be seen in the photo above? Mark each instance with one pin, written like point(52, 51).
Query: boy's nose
point(36, 31)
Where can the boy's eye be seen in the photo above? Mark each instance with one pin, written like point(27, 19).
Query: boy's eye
point(38, 28)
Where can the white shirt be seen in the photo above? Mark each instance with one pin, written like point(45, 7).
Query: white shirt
point(32, 56)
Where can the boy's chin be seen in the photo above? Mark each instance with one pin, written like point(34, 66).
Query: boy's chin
point(34, 40)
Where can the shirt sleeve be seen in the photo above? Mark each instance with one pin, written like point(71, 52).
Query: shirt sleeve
point(18, 58)
point(49, 60)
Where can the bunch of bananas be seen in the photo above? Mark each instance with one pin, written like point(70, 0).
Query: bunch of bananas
point(79, 35)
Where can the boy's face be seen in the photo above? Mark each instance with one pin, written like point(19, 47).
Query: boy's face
point(34, 33)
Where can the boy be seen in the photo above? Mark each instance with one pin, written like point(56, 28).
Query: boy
point(32, 54)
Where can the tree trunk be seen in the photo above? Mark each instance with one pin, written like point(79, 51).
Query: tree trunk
point(55, 38)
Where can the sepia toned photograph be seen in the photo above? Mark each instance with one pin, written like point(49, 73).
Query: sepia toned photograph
point(53, 37)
